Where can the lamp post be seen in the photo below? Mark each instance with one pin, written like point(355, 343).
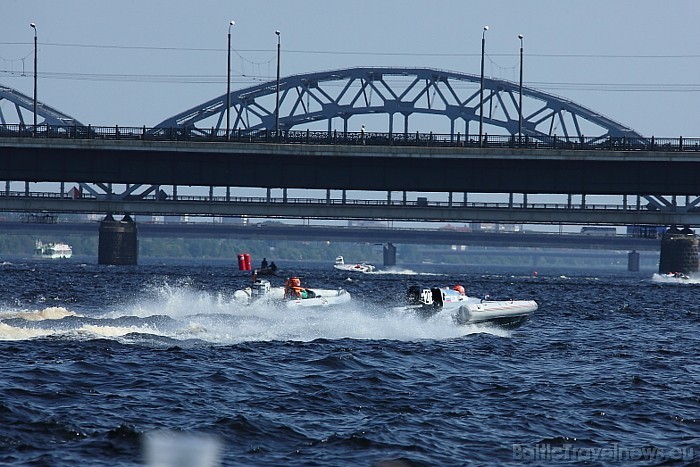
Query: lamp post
point(33, 26)
point(481, 91)
point(520, 92)
point(228, 84)
point(277, 101)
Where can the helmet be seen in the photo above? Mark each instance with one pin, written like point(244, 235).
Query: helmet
point(459, 289)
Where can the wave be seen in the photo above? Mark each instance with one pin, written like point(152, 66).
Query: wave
point(12, 333)
point(38, 315)
point(664, 279)
point(403, 272)
point(185, 314)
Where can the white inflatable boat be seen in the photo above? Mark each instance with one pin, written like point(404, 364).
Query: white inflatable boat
point(468, 310)
point(292, 295)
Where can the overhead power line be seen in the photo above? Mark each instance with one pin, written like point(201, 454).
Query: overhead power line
point(250, 79)
point(141, 78)
point(363, 53)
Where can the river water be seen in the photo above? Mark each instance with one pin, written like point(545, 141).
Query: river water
point(157, 365)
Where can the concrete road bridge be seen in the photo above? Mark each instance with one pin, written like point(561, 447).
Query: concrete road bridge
point(547, 145)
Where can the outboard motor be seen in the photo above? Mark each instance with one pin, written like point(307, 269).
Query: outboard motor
point(413, 295)
point(436, 297)
point(426, 297)
point(419, 296)
point(260, 288)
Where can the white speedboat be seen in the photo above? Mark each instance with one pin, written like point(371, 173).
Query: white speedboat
point(52, 250)
point(468, 310)
point(357, 267)
point(675, 275)
point(674, 278)
point(292, 295)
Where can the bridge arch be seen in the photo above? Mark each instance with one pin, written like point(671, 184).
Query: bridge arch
point(335, 97)
point(22, 108)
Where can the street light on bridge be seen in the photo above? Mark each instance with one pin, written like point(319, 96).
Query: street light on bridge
point(33, 26)
point(277, 104)
point(228, 84)
point(520, 92)
point(481, 89)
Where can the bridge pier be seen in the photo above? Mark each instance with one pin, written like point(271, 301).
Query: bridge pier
point(679, 251)
point(118, 242)
point(389, 251)
point(633, 261)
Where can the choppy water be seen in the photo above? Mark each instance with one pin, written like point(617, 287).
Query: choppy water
point(157, 365)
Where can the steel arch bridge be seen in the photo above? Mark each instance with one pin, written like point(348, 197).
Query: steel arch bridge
point(339, 95)
point(22, 105)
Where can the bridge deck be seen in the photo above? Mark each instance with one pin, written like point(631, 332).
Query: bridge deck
point(352, 167)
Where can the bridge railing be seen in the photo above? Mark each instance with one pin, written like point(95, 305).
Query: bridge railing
point(335, 137)
point(335, 202)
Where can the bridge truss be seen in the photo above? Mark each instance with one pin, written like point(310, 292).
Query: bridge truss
point(335, 97)
point(21, 106)
point(331, 101)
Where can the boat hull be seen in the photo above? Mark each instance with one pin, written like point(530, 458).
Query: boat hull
point(275, 297)
point(509, 314)
point(359, 268)
point(323, 298)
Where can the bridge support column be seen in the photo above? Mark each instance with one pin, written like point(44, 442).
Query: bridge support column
point(389, 254)
point(633, 261)
point(679, 251)
point(118, 242)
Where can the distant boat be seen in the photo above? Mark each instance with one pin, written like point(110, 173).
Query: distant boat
point(358, 267)
point(52, 250)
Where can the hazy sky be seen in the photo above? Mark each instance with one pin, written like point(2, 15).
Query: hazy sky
point(137, 62)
